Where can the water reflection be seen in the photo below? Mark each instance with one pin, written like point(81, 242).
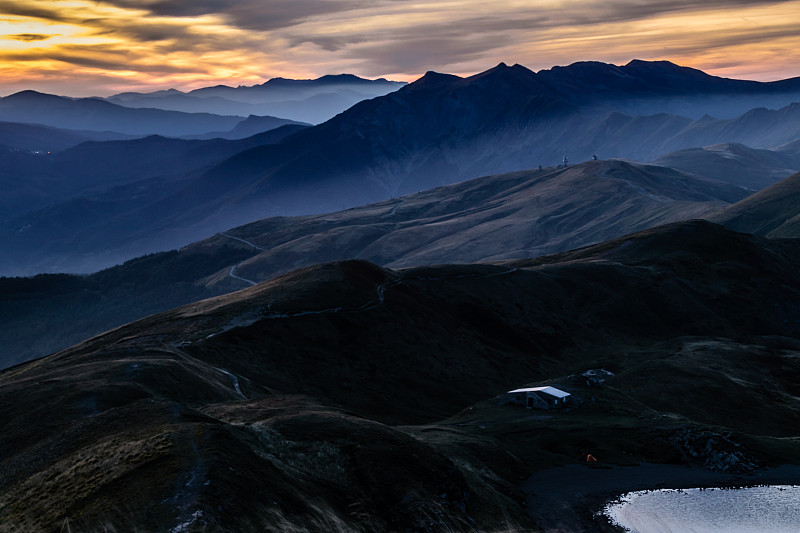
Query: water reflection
point(764, 509)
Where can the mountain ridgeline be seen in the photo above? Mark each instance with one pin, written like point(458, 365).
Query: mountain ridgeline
point(311, 101)
point(441, 129)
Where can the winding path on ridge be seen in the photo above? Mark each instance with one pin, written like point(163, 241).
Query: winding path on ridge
point(232, 273)
point(400, 202)
point(234, 381)
point(248, 243)
point(232, 270)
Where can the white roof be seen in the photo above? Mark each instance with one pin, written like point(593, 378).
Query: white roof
point(552, 391)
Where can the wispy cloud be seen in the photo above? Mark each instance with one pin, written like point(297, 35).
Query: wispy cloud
point(136, 44)
point(30, 37)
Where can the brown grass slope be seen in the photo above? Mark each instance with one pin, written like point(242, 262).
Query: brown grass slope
point(286, 406)
point(516, 215)
point(771, 212)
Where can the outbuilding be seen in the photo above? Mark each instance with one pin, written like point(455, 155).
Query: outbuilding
point(539, 397)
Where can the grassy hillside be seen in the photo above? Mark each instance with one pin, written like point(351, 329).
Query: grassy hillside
point(772, 212)
point(517, 215)
point(45, 313)
point(349, 397)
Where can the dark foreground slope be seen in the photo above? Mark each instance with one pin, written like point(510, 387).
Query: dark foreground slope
point(286, 406)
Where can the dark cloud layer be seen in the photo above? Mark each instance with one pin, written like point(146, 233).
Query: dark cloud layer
point(30, 37)
point(239, 41)
point(257, 15)
point(279, 14)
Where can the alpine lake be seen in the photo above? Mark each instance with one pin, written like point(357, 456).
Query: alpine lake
point(758, 509)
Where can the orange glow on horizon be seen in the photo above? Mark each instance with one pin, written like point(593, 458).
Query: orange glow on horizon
point(82, 48)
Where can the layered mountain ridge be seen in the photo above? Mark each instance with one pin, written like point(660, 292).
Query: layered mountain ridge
point(311, 101)
point(438, 130)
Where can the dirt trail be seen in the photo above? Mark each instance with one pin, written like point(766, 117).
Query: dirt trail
point(232, 271)
point(257, 247)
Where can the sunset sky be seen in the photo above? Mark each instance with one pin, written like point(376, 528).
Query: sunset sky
point(80, 47)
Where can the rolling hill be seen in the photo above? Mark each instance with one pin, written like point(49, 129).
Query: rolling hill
point(516, 215)
point(349, 397)
point(735, 163)
point(771, 212)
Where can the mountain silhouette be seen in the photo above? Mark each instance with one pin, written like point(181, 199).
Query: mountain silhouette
point(436, 131)
point(32, 107)
point(312, 101)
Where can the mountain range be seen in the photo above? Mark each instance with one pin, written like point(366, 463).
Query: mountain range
point(31, 107)
point(441, 129)
point(333, 350)
point(130, 172)
point(313, 101)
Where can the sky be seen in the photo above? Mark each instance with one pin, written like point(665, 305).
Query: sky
point(82, 48)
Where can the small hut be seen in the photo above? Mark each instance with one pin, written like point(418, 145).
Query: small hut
point(539, 397)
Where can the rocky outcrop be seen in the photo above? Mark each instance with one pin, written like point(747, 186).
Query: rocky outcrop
point(716, 451)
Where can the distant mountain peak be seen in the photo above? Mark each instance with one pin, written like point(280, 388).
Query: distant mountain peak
point(505, 74)
point(433, 80)
point(339, 78)
point(664, 67)
point(328, 79)
point(659, 62)
point(29, 94)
